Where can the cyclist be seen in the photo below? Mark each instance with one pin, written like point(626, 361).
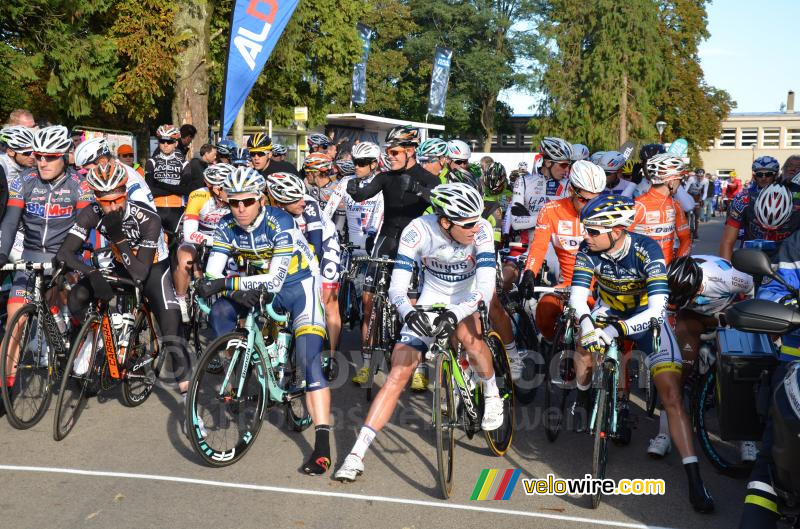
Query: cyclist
point(458, 153)
point(612, 162)
point(240, 157)
point(432, 156)
point(279, 152)
point(164, 175)
point(268, 239)
point(498, 197)
point(96, 151)
point(457, 253)
point(532, 192)
point(559, 224)
point(579, 152)
point(632, 283)
point(321, 143)
point(17, 156)
point(289, 193)
point(363, 223)
point(206, 207)
point(45, 201)
point(260, 147)
point(700, 289)
point(140, 252)
point(658, 215)
point(225, 150)
point(740, 211)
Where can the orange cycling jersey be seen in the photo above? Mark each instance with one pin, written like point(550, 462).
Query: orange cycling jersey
point(659, 217)
point(559, 223)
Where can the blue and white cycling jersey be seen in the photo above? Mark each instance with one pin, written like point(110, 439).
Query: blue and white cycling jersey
point(455, 274)
point(721, 285)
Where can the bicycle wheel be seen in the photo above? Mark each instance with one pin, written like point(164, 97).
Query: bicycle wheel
point(222, 424)
point(555, 396)
point(499, 440)
point(79, 377)
point(444, 422)
point(723, 455)
point(650, 395)
point(140, 374)
point(377, 352)
point(35, 377)
point(602, 431)
point(526, 388)
point(297, 415)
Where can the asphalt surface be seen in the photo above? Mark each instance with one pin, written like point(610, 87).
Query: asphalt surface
point(124, 467)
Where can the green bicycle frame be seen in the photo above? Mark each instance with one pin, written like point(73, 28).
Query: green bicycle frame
point(610, 363)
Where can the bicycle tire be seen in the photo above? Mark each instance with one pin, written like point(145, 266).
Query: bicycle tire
point(555, 397)
point(203, 396)
point(719, 453)
point(602, 427)
point(75, 389)
point(523, 393)
point(29, 368)
point(137, 385)
point(650, 396)
point(444, 420)
point(499, 440)
point(376, 352)
point(297, 415)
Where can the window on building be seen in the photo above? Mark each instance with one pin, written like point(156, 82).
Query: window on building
point(527, 139)
point(724, 173)
point(494, 139)
point(727, 138)
point(771, 137)
point(509, 139)
point(793, 137)
point(749, 137)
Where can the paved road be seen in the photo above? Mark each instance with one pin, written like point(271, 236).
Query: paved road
point(134, 468)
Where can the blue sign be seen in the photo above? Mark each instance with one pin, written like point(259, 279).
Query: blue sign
point(359, 96)
point(440, 77)
point(256, 26)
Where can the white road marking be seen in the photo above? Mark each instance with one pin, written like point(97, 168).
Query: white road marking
point(307, 492)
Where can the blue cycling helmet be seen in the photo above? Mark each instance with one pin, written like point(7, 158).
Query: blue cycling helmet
point(766, 163)
point(240, 157)
point(607, 211)
point(226, 147)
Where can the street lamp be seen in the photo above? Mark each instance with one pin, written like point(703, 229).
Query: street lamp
point(660, 126)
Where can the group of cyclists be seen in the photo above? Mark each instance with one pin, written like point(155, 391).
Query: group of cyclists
point(610, 229)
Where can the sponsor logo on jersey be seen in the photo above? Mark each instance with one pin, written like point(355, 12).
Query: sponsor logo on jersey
point(565, 227)
point(51, 211)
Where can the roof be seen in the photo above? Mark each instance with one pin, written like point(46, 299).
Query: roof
point(355, 118)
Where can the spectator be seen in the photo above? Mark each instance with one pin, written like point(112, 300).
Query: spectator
point(193, 171)
point(125, 155)
point(486, 161)
point(22, 117)
point(188, 132)
point(717, 194)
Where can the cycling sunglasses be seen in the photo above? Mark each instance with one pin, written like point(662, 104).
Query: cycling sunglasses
point(246, 202)
point(461, 162)
point(167, 141)
point(394, 153)
point(578, 194)
point(594, 232)
point(25, 153)
point(364, 162)
point(257, 154)
point(47, 157)
point(113, 201)
point(465, 225)
point(764, 174)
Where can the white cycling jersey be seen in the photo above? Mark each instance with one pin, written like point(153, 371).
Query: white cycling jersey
point(722, 283)
point(10, 167)
point(313, 219)
point(363, 218)
point(533, 192)
point(623, 187)
point(138, 190)
point(457, 275)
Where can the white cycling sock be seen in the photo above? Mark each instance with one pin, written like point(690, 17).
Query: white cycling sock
point(582, 387)
point(663, 423)
point(511, 350)
point(490, 387)
point(689, 460)
point(364, 439)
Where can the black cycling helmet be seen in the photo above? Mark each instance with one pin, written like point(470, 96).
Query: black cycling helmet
point(699, 171)
point(684, 278)
point(650, 150)
point(403, 135)
point(494, 179)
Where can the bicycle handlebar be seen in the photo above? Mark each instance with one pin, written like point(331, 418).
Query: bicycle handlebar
point(27, 266)
point(269, 309)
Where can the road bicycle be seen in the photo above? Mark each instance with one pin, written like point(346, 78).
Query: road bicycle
point(458, 397)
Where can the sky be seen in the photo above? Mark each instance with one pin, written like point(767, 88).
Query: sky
point(753, 53)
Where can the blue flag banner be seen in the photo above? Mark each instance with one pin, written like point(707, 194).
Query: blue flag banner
point(359, 96)
point(440, 77)
point(256, 26)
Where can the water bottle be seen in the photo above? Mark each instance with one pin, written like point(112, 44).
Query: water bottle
point(61, 319)
point(705, 358)
point(282, 350)
point(125, 329)
point(469, 375)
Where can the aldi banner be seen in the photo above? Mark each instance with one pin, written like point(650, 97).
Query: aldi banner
point(256, 26)
point(359, 96)
point(440, 77)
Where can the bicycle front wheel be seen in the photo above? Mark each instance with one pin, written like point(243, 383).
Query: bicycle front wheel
point(499, 440)
point(78, 379)
point(555, 397)
point(27, 401)
point(140, 375)
point(375, 347)
point(602, 431)
point(224, 419)
point(444, 421)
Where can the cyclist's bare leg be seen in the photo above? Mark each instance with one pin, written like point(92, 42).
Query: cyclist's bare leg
point(333, 320)
point(404, 360)
point(319, 405)
point(668, 384)
point(16, 335)
point(583, 366)
point(480, 358)
point(366, 300)
point(510, 274)
point(182, 274)
point(501, 321)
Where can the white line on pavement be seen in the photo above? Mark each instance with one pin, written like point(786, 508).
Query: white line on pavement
point(307, 492)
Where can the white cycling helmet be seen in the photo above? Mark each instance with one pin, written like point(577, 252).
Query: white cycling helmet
point(52, 140)
point(665, 167)
point(107, 177)
point(279, 150)
point(215, 175)
point(90, 150)
point(168, 132)
point(17, 138)
point(285, 187)
point(595, 157)
point(456, 201)
point(366, 150)
point(579, 152)
point(773, 206)
point(556, 149)
point(586, 176)
point(244, 180)
point(458, 150)
point(612, 161)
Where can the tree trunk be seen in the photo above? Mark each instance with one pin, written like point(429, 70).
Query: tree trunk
point(487, 121)
point(190, 104)
point(623, 110)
